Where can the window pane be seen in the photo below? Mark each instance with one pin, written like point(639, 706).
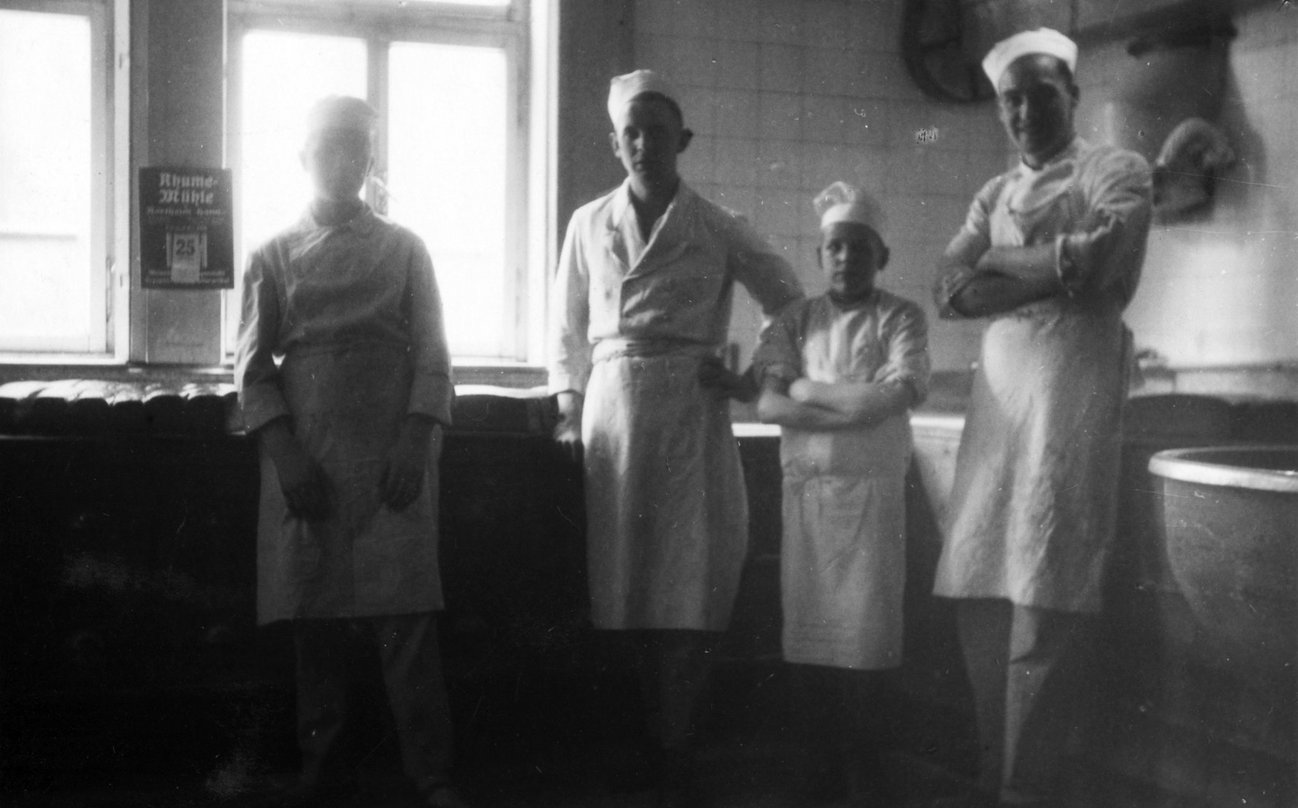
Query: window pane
point(446, 177)
point(45, 180)
point(283, 75)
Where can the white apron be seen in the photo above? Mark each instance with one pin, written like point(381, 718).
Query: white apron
point(666, 506)
point(348, 402)
point(1034, 501)
point(843, 556)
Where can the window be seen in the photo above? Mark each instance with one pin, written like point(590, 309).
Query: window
point(56, 177)
point(451, 84)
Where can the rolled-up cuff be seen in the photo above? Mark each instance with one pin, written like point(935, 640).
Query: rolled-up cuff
point(259, 407)
point(781, 371)
point(1066, 269)
point(561, 382)
point(918, 390)
point(950, 285)
point(432, 396)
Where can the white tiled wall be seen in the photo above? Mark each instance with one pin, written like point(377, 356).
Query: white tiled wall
point(1221, 290)
point(786, 96)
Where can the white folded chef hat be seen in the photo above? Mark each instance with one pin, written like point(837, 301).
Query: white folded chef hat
point(1041, 40)
point(627, 86)
point(841, 202)
point(341, 112)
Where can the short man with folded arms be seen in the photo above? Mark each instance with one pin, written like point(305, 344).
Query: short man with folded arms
point(839, 373)
point(640, 309)
point(1050, 254)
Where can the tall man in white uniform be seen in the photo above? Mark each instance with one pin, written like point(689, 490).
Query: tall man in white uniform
point(1050, 254)
point(344, 377)
point(640, 309)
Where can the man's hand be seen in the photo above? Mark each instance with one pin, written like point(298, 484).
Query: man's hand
point(418, 444)
point(951, 282)
point(722, 382)
point(301, 478)
point(567, 433)
point(800, 390)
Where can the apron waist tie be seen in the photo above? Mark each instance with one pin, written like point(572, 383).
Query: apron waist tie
point(616, 348)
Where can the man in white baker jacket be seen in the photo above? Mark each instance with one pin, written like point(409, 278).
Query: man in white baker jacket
point(640, 308)
point(344, 378)
point(1050, 254)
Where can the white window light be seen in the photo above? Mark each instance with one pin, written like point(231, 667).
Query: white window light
point(452, 157)
point(56, 178)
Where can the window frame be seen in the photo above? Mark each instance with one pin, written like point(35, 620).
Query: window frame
point(380, 23)
point(106, 273)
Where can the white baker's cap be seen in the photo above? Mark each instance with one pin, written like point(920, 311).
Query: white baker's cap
point(627, 86)
point(1041, 40)
point(340, 112)
point(841, 202)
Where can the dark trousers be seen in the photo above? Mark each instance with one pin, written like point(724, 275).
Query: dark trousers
point(673, 667)
point(412, 676)
point(841, 724)
point(1026, 668)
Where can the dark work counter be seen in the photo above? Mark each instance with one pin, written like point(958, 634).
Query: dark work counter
point(127, 582)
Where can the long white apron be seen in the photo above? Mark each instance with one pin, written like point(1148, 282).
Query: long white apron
point(365, 559)
point(1034, 500)
point(843, 555)
point(666, 506)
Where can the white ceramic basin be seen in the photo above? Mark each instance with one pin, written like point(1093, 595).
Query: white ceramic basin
point(1230, 527)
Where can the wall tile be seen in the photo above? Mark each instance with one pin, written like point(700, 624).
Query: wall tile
point(828, 24)
point(960, 127)
point(699, 108)
point(825, 164)
point(656, 52)
point(655, 17)
point(780, 214)
point(781, 67)
point(692, 18)
point(741, 199)
point(868, 167)
point(883, 75)
point(822, 119)
point(736, 113)
point(707, 190)
point(779, 164)
point(946, 214)
point(780, 116)
point(694, 62)
point(737, 65)
point(943, 170)
point(789, 247)
point(699, 160)
point(866, 123)
point(736, 19)
point(875, 27)
point(736, 161)
point(827, 71)
point(780, 21)
point(905, 120)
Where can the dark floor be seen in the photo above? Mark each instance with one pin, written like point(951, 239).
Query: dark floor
point(545, 745)
point(732, 775)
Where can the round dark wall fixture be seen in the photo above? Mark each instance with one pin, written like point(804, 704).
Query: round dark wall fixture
point(933, 47)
